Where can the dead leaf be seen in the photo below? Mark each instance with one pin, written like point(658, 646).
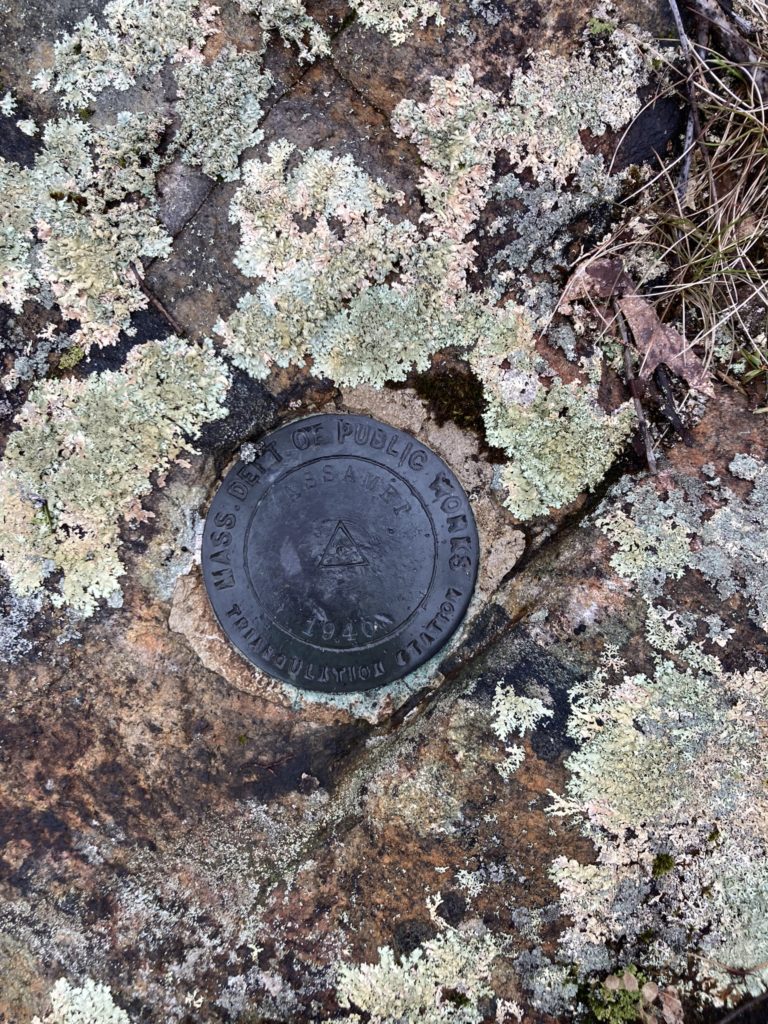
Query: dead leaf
point(660, 343)
point(671, 1007)
point(630, 982)
point(649, 991)
point(656, 342)
point(601, 279)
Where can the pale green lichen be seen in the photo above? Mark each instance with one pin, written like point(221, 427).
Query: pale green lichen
point(80, 222)
point(539, 124)
point(423, 985)
point(668, 782)
point(561, 445)
point(17, 277)
point(272, 199)
point(84, 455)
point(725, 538)
point(397, 18)
point(7, 104)
point(653, 537)
point(557, 98)
point(558, 437)
point(137, 38)
point(309, 273)
point(290, 20)
point(220, 110)
point(344, 280)
point(368, 297)
point(515, 715)
point(89, 1003)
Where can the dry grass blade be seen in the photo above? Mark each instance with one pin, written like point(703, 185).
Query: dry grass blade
point(700, 225)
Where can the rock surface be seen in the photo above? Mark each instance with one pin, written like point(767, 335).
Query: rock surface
point(212, 844)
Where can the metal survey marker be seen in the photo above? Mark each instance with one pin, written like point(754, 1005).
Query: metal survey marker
point(342, 557)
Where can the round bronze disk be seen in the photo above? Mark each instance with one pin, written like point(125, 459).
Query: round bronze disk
point(342, 557)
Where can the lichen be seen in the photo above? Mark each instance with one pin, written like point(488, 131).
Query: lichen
point(541, 121)
point(137, 38)
point(667, 783)
point(28, 358)
point(16, 616)
point(396, 18)
point(309, 274)
point(558, 437)
point(89, 1003)
point(7, 104)
point(342, 281)
point(725, 538)
point(514, 715)
point(83, 456)
point(369, 298)
point(80, 222)
point(441, 981)
point(539, 223)
point(220, 110)
point(27, 126)
point(71, 357)
point(290, 20)
point(16, 274)
point(654, 542)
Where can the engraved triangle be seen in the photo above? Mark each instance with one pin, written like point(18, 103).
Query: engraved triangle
point(341, 550)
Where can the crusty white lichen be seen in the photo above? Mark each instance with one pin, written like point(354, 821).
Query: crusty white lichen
point(84, 454)
point(7, 103)
point(16, 615)
point(89, 1003)
point(538, 220)
point(422, 985)
point(27, 126)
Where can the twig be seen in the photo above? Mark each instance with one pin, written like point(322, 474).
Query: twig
point(156, 302)
point(684, 41)
point(735, 32)
point(273, 764)
point(661, 376)
point(744, 1008)
point(634, 389)
point(691, 57)
point(682, 181)
point(688, 144)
